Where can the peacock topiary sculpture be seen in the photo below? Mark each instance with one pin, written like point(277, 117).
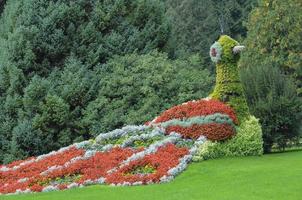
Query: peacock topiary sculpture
point(156, 152)
point(228, 88)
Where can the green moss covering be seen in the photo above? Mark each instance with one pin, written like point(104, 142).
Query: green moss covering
point(228, 86)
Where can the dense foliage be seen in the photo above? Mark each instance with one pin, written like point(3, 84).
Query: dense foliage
point(272, 69)
point(275, 37)
point(52, 72)
point(135, 89)
point(228, 87)
point(272, 97)
point(196, 24)
point(2, 4)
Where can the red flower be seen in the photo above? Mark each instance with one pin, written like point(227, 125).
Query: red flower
point(213, 52)
point(211, 131)
point(36, 188)
point(197, 108)
point(10, 180)
point(62, 187)
point(164, 159)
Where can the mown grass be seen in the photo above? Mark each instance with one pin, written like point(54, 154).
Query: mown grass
point(275, 176)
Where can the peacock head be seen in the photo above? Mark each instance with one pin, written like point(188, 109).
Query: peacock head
point(225, 50)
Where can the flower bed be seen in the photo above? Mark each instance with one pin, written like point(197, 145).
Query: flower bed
point(132, 155)
point(25, 173)
point(210, 118)
point(201, 107)
point(128, 156)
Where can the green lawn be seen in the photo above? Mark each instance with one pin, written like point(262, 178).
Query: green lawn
point(275, 176)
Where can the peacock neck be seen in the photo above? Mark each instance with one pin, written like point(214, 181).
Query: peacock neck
point(227, 73)
point(229, 89)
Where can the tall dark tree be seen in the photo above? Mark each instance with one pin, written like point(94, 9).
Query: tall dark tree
point(2, 4)
point(196, 24)
point(272, 69)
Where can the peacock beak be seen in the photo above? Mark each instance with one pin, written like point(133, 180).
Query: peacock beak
point(237, 49)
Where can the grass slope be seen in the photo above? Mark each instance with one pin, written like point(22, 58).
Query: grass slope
point(275, 176)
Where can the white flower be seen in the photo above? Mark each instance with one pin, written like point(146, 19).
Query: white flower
point(88, 182)
point(137, 183)
point(101, 180)
point(49, 188)
point(72, 185)
point(156, 132)
point(166, 179)
point(127, 130)
point(22, 180)
point(4, 169)
point(82, 145)
point(89, 154)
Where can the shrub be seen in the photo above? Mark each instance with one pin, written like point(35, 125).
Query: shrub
point(272, 98)
point(135, 88)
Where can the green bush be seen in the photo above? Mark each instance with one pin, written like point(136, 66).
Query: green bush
point(247, 142)
point(272, 98)
point(136, 88)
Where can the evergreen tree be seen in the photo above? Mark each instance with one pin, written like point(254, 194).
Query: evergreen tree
point(2, 4)
point(50, 52)
point(135, 89)
point(67, 71)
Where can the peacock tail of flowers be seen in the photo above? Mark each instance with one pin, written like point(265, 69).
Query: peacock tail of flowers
point(132, 155)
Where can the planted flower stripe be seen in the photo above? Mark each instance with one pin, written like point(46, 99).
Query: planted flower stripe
point(212, 131)
point(200, 120)
point(201, 107)
point(66, 154)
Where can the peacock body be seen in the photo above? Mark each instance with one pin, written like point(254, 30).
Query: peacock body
point(152, 153)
